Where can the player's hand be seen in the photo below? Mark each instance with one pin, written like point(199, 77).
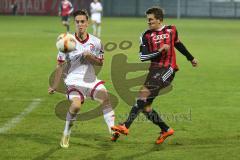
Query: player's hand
point(51, 90)
point(165, 47)
point(86, 55)
point(194, 62)
point(59, 13)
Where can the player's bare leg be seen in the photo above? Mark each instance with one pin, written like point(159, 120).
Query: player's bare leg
point(98, 30)
point(70, 118)
point(108, 113)
point(94, 26)
point(66, 24)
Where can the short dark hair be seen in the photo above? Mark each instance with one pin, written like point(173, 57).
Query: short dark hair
point(156, 11)
point(81, 12)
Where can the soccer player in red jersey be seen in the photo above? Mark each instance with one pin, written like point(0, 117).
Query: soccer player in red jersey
point(65, 9)
point(157, 45)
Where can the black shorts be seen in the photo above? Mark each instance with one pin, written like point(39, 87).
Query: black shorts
point(157, 79)
point(65, 18)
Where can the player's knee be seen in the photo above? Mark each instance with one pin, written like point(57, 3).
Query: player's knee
point(147, 108)
point(76, 105)
point(102, 96)
point(144, 103)
point(65, 23)
point(105, 97)
point(144, 93)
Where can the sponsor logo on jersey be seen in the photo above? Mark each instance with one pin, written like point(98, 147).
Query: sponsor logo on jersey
point(92, 47)
point(160, 37)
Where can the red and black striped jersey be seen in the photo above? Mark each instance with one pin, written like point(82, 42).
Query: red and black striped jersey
point(65, 8)
point(152, 40)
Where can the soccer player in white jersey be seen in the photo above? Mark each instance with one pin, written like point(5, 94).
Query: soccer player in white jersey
point(81, 80)
point(96, 13)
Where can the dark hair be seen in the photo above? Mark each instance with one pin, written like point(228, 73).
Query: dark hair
point(81, 12)
point(157, 11)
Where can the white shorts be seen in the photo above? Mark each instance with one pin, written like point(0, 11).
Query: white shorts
point(96, 17)
point(85, 90)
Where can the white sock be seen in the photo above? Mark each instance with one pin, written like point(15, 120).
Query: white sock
point(109, 118)
point(94, 29)
point(70, 118)
point(67, 129)
point(99, 31)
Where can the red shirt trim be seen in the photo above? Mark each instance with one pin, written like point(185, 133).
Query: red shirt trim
point(79, 92)
point(95, 87)
point(83, 41)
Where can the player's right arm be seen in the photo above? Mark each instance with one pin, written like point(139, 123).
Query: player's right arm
point(60, 9)
point(92, 10)
point(58, 73)
point(145, 54)
point(57, 78)
point(182, 49)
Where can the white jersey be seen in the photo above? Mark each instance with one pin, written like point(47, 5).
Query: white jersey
point(79, 68)
point(96, 8)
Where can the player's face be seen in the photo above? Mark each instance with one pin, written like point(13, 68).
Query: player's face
point(81, 23)
point(153, 23)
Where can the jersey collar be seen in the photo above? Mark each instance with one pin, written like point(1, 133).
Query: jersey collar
point(161, 28)
point(83, 41)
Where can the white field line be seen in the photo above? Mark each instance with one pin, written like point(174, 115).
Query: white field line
point(14, 121)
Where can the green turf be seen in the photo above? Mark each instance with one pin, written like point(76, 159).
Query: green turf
point(203, 107)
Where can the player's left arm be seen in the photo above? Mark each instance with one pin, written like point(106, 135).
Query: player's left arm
point(182, 49)
point(100, 8)
point(71, 8)
point(93, 59)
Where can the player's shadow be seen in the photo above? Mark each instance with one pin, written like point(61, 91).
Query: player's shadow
point(101, 142)
point(101, 156)
point(41, 139)
point(154, 148)
point(47, 140)
point(50, 152)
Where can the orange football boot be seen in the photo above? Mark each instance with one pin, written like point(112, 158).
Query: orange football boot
point(115, 136)
point(121, 129)
point(164, 135)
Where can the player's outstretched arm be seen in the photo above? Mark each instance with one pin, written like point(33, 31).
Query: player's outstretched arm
point(57, 78)
point(182, 49)
point(92, 59)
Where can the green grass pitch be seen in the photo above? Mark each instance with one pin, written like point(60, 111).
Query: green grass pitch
point(203, 107)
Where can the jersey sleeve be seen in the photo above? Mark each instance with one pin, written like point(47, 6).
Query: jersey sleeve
point(61, 57)
point(176, 39)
